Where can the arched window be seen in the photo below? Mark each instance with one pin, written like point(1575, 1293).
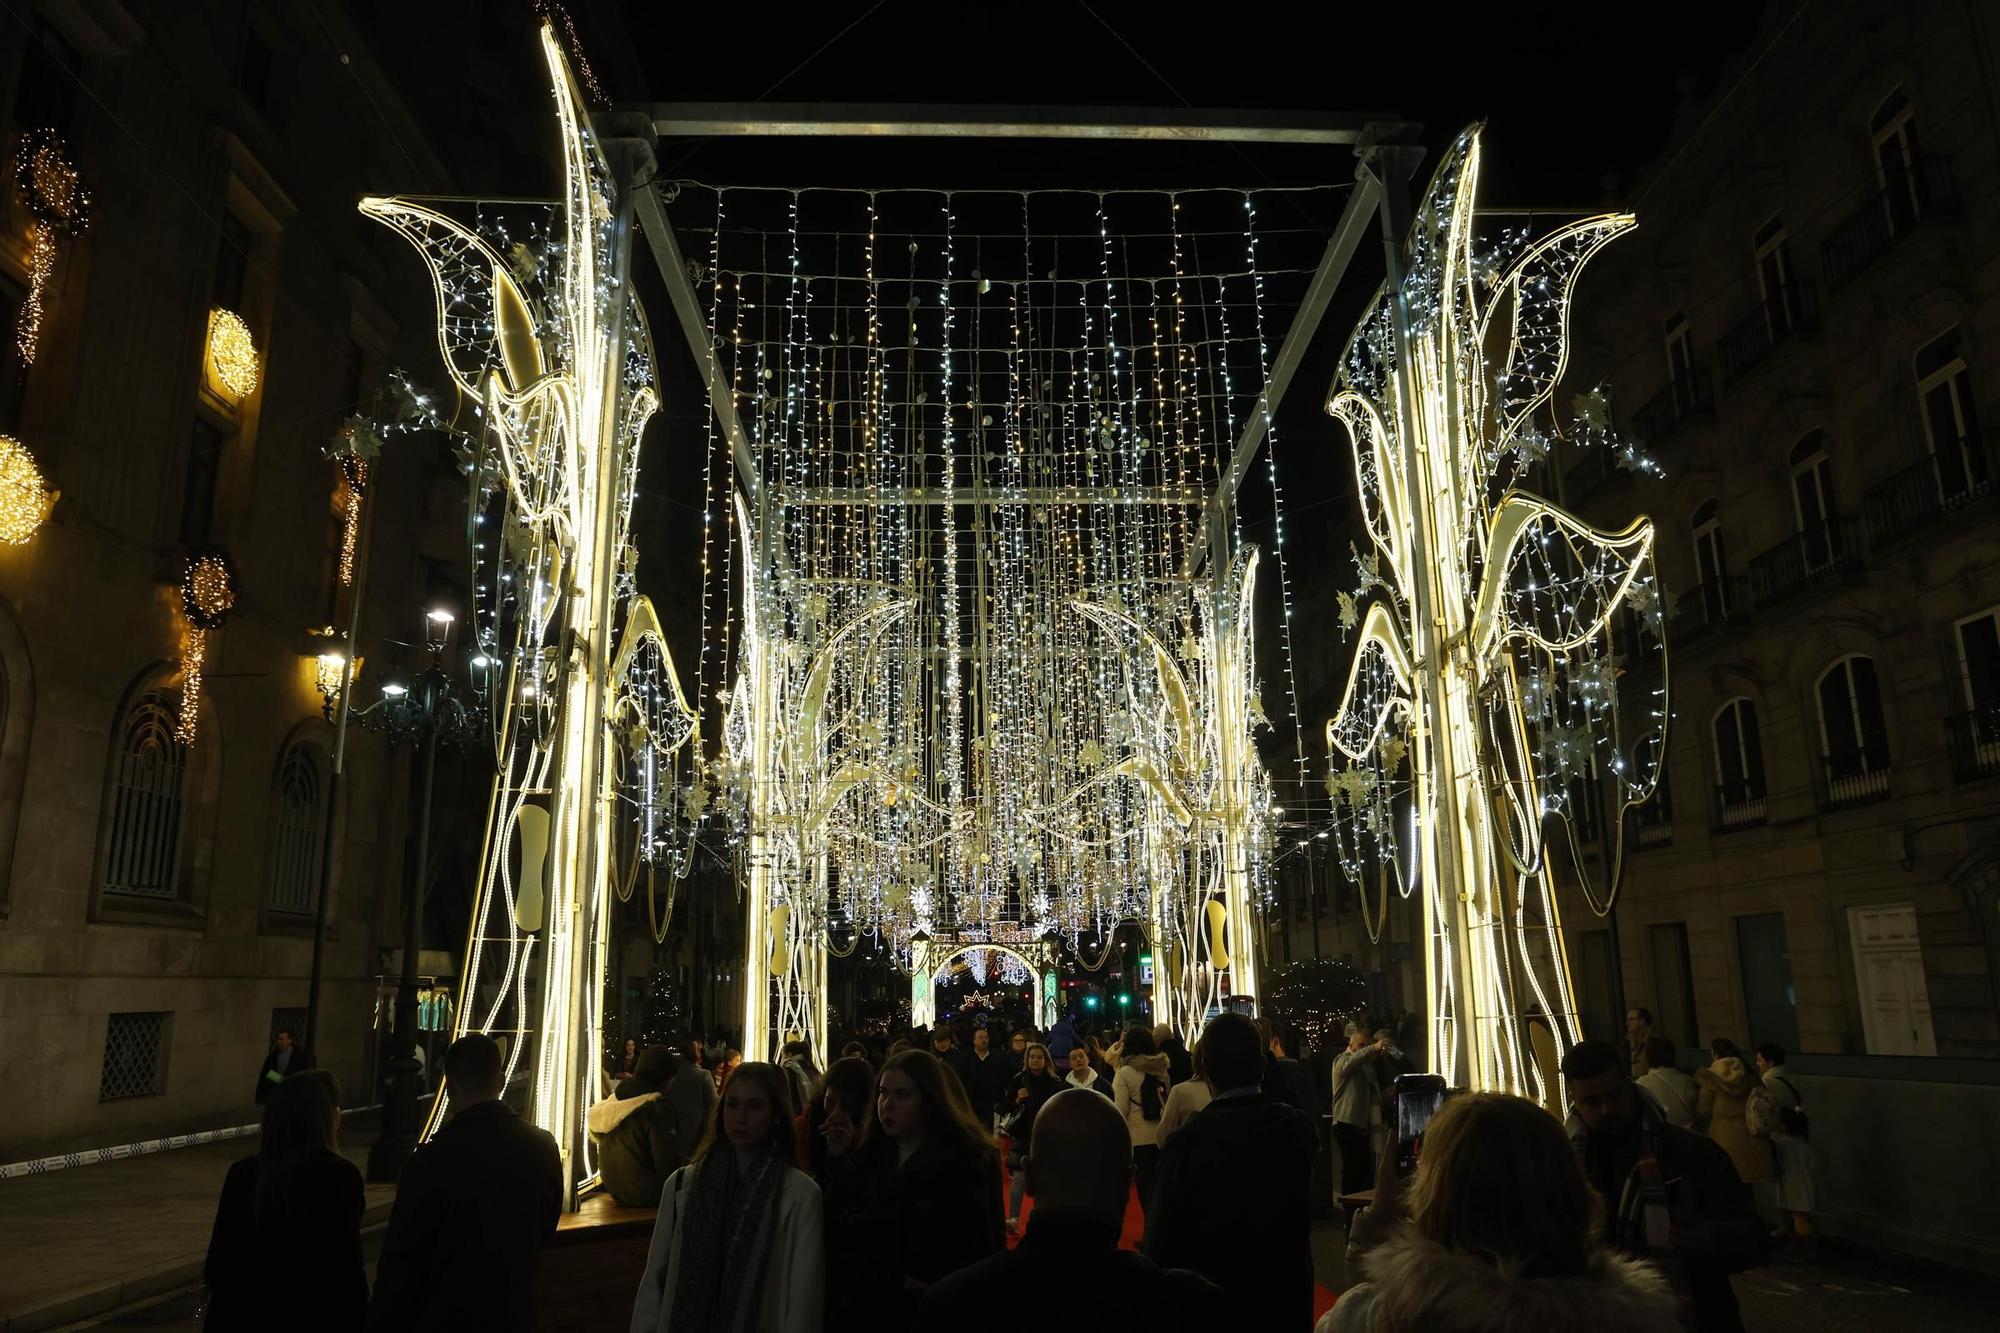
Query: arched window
point(1892, 131)
point(1711, 562)
point(148, 802)
point(1739, 764)
point(1854, 740)
point(1812, 501)
point(298, 830)
point(1951, 422)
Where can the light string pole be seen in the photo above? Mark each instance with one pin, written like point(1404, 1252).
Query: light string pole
point(428, 713)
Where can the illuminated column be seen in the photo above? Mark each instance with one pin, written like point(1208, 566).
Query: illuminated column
point(923, 986)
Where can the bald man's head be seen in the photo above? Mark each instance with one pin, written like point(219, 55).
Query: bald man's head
point(1081, 1155)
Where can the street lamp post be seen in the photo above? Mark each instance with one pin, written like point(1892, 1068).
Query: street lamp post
point(428, 714)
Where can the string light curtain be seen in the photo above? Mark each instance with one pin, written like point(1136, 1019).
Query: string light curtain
point(975, 691)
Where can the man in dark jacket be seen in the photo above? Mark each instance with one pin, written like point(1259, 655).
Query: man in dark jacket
point(691, 1091)
point(638, 1133)
point(1080, 1170)
point(1671, 1196)
point(473, 1209)
point(1232, 1198)
point(984, 1073)
point(283, 1060)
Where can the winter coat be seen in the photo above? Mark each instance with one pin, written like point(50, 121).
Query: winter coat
point(1414, 1285)
point(790, 1293)
point(691, 1090)
point(888, 1224)
point(1093, 1080)
point(294, 1062)
point(300, 1265)
point(1061, 1037)
point(1675, 1093)
point(986, 1081)
point(474, 1207)
point(1061, 1245)
point(1021, 1125)
point(1128, 1095)
point(1185, 1099)
point(1354, 1086)
point(639, 1144)
point(1233, 1201)
point(1725, 1087)
point(1793, 1155)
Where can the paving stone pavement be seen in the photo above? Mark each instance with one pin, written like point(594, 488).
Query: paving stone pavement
point(91, 1239)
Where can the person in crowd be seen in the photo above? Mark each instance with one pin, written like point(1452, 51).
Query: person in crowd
point(1081, 1075)
point(1721, 1107)
point(1101, 1058)
point(1638, 1031)
point(1791, 1146)
point(1499, 1230)
point(712, 1053)
point(1017, 1053)
point(473, 1209)
point(730, 1059)
point(1355, 1090)
point(1180, 1061)
point(1233, 1198)
point(834, 1115)
point(738, 1243)
point(1670, 1196)
point(1081, 1176)
point(1286, 1078)
point(1031, 1090)
point(944, 1045)
point(855, 1050)
point(622, 1066)
point(984, 1073)
point(637, 1131)
point(1185, 1099)
point(289, 1222)
point(1139, 1090)
point(283, 1059)
point(691, 1091)
point(917, 1197)
point(795, 1058)
point(1391, 1064)
point(1672, 1088)
point(1061, 1037)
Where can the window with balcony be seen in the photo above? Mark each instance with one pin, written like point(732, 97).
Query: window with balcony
point(1951, 422)
point(1812, 500)
point(1773, 251)
point(1711, 562)
point(1854, 740)
point(1785, 305)
point(1654, 816)
point(1975, 733)
point(1739, 765)
point(1893, 132)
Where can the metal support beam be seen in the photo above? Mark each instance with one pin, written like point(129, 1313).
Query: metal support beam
point(1190, 496)
point(880, 121)
point(666, 250)
point(1355, 222)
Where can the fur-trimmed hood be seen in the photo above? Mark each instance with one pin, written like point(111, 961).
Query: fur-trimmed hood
point(607, 1115)
point(1728, 1077)
point(1417, 1286)
point(1155, 1065)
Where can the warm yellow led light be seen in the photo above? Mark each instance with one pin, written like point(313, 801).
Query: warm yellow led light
point(24, 498)
point(232, 354)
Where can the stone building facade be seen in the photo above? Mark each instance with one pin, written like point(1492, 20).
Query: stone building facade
point(157, 896)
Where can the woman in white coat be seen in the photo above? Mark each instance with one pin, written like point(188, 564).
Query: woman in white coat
point(737, 1247)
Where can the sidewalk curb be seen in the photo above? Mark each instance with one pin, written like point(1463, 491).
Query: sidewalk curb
point(109, 1296)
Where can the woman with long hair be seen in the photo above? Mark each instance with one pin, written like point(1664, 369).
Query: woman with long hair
point(832, 1121)
point(1499, 1230)
point(737, 1244)
point(1139, 1091)
point(1026, 1095)
point(919, 1197)
point(286, 1247)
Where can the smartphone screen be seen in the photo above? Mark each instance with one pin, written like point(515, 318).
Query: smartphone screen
point(1418, 1097)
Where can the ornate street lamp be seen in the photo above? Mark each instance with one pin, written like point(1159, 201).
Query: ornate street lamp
point(425, 712)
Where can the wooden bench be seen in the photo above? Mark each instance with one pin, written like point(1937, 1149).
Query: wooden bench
point(591, 1267)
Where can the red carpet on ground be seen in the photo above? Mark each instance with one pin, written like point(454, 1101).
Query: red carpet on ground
point(1135, 1227)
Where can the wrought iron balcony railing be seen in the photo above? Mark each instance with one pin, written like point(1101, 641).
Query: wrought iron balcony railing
point(1825, 550)
point(1652, 823)
point(1939, 484)
point(1888, 215)
point(1688, 396)
point(1708, 607)
point(1974, 741)
point(1790, 311)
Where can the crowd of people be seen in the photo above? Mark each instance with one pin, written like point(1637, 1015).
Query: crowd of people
point(954, 1174)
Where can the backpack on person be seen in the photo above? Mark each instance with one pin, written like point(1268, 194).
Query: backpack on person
point(1760, 1112)
point(1152, 1096)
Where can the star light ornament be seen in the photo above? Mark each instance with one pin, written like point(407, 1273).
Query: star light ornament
point(1482, 720)
point(587, 708)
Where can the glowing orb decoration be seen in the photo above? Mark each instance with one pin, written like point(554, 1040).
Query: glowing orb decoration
point(232, 354)
point(24, 498)
point(59, 206)
point(208, 595)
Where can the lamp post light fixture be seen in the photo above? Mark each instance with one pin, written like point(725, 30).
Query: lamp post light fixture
point(426, 712)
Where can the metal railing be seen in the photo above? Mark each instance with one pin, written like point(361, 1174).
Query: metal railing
point(1653, 822)
point(1855, 775)
point(1826, 550)
point(1909, 501)
point(1738, 805)
point(1974, 741)
point(1686, 397)
point(1888, 215)
point(1708, 607)
point(1792, 309)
